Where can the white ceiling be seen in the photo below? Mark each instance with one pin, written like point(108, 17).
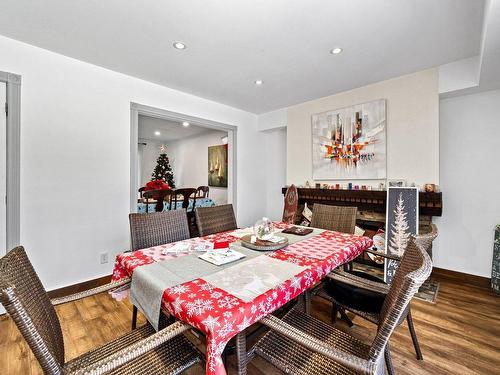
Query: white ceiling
point(232, 43)
point(169, 130)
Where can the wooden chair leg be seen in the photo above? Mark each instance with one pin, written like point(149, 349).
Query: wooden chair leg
point(134, 317)
point(388, 360)
point(411, 327)
point(345, 318)
point(335, 310)
point(224, 357)
point(307, 302)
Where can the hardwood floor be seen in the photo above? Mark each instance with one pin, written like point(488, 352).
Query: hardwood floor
point(460, 334)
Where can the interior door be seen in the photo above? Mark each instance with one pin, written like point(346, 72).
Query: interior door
point(3, 169)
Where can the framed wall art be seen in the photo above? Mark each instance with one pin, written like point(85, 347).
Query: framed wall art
point(350, 143)
point(217, 166)
point(401, 222)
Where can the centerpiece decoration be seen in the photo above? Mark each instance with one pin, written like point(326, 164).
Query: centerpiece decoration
point(264, 237)
point(264, 229)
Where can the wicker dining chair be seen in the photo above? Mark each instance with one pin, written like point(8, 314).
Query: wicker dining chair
point(142, 351)
point(215, 219)
point(301, 344)
point(364, 295)
point(336, 218)
point(157, 228)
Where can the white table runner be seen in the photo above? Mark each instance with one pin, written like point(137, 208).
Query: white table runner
point(249, 279)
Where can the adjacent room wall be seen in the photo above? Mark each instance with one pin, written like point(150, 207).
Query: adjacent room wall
point(148, 157)
point(189, 159)
point(75, 156)
point(412, 128)
point(470, 180)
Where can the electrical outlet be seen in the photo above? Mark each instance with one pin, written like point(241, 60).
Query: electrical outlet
point(104, 258)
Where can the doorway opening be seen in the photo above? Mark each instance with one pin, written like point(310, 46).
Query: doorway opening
point(10, 140)
point(188, 152)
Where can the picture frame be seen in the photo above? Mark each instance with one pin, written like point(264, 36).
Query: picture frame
point(350, 143)
point(396, 183)
point(402, 218)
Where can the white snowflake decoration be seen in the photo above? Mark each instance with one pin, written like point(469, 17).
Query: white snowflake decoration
point(211, 323)
point(228, 302)
point(179, 289)
point(199, 306)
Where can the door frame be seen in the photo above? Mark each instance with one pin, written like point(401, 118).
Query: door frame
point(137, 109)
point(13, 167)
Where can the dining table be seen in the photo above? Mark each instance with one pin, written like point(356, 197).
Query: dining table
point(223, 304)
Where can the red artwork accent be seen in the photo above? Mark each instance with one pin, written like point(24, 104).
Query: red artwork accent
point(221, 315)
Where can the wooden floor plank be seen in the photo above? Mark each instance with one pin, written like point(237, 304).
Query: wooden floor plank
point(459, 334)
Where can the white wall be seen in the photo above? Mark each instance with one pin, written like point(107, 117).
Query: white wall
point(275, 159)
point(272, 120)
point(412, 127)
point(149, 156)
point(75, 156)
point(189, 159)
point(470, 180)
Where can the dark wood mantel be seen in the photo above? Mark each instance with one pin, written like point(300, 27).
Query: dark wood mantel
point(431, 204)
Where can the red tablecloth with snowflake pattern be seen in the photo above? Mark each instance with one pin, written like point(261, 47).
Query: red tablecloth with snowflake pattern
point(219, 314)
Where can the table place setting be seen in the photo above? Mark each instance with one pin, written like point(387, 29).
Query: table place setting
point(222, 256)
point(188, 247)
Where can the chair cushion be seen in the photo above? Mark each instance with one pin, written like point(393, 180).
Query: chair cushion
point(356, 297)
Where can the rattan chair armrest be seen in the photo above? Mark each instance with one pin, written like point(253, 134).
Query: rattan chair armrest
point(384, 255)
point(346, 359)
point(133, 351)
point(90, 292)
point(359, 282)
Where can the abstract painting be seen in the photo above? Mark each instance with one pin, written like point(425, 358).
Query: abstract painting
point(217, 166)
point(350, 143)
point(401, 222)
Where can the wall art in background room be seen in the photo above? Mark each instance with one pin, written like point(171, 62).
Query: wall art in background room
point(217, 166)
point(350, 143)
point(401, 222)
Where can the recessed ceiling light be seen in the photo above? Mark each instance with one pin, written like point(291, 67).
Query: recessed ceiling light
point(259, 82)
point(157, 133)
point(336, 51)
point(185, 123)
point(179, 45)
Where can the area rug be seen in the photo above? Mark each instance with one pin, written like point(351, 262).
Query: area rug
point(428, 291)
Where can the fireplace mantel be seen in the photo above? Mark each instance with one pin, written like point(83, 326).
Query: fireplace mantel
point(431, 204)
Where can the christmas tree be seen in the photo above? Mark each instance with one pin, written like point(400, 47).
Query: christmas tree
point(400, 234)
point(163, 170)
